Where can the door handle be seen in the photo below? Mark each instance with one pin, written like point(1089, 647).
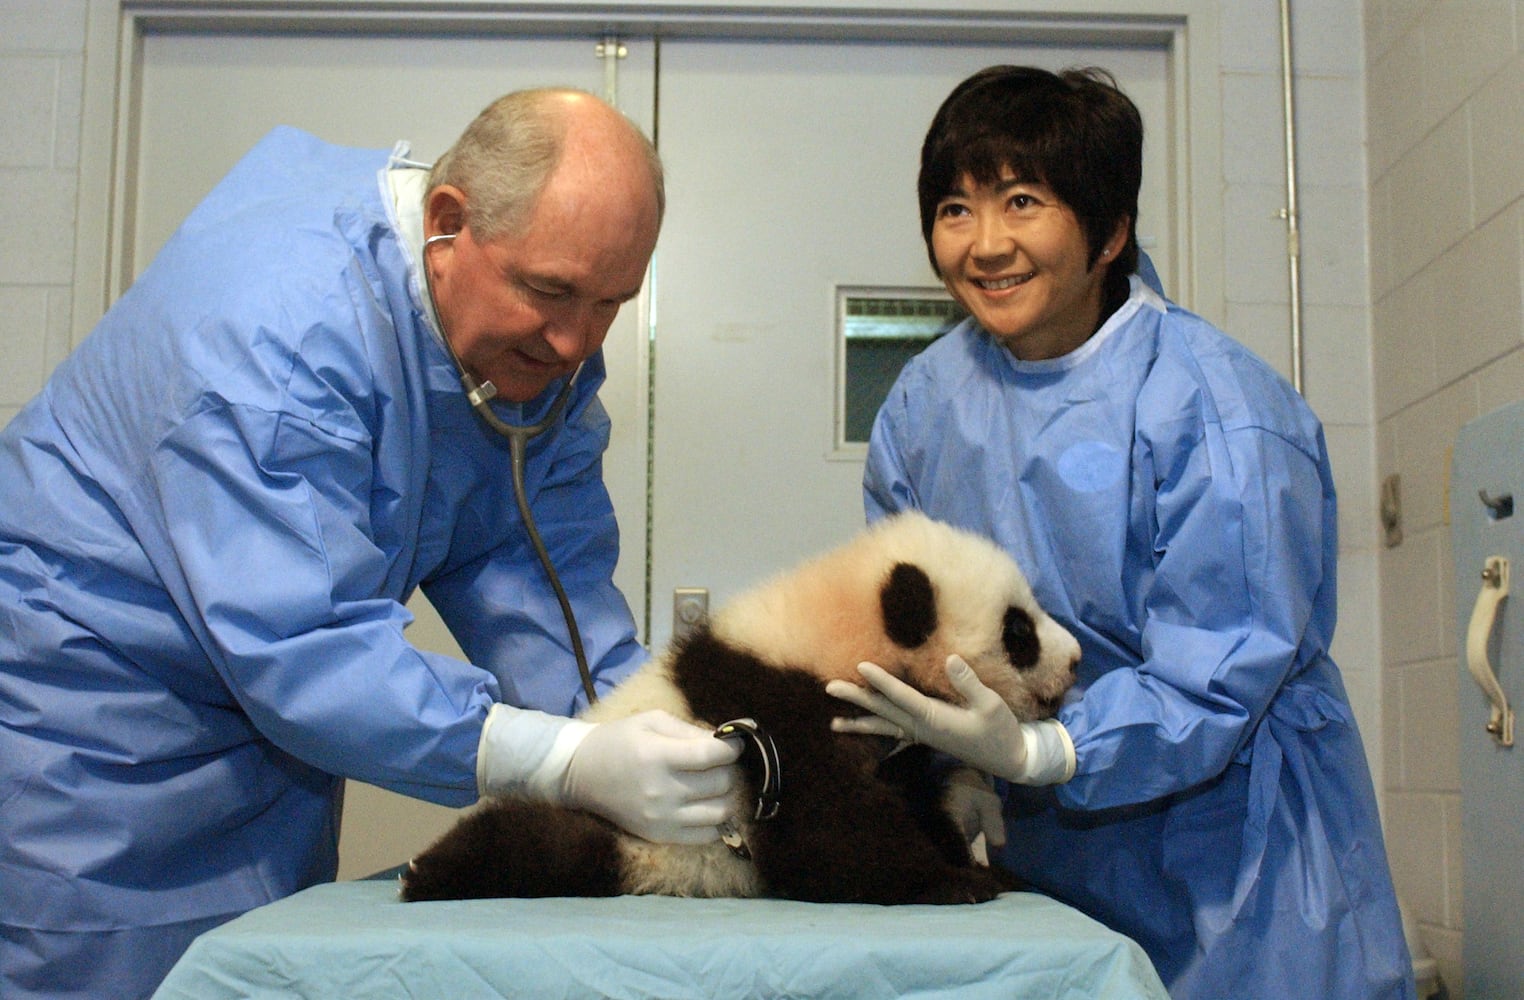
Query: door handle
point(1494, 590)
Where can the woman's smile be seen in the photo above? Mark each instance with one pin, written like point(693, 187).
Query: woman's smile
point(1001, 284)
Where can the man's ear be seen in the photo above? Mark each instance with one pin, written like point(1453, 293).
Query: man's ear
point(444, 211)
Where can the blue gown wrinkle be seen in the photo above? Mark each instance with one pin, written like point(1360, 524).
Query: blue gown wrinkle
point(1171, 500)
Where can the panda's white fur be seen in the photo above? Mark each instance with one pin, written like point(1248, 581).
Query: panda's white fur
point(816, 615)
point(808, 625)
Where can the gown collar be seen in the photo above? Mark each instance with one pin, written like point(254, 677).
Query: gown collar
point(1140, 296)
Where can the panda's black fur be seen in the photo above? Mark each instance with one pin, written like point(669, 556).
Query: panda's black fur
point(854, 823)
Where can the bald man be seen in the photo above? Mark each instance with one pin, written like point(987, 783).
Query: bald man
point(213, 513)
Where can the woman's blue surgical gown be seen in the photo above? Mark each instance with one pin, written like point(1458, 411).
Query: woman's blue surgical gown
point(209, 521)
point(1171, 499)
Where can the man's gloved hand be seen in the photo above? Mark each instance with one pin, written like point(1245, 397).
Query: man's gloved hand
point(658, 777)
point(983, 734)
point(651, 774)
point(971, 801)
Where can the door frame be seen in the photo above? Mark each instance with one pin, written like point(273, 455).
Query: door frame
point(116, 31)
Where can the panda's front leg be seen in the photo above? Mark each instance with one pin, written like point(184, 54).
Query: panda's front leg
point(844, 834)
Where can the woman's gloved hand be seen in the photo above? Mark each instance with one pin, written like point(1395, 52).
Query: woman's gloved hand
point(651, 774)
point(983, 733)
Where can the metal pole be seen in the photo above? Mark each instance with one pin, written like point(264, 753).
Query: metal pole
point(1289, 213)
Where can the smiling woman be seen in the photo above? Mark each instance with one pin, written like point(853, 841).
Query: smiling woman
point(1172, 500)
point(1015, 255)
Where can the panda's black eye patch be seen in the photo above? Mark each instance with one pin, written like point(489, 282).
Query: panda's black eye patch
point(910, 606)
point(1020, 638)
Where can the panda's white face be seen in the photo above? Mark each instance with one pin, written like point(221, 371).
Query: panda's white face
point(1038, 665)
point(906, 594)
point(983, 610)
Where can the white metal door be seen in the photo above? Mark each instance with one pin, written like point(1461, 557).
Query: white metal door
point(791, 172)
point(206, 98)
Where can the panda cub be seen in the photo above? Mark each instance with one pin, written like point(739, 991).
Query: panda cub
point(851, 821)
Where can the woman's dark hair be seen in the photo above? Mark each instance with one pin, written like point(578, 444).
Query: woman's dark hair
point(1074, 131)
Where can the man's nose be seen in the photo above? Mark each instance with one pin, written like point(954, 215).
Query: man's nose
point(575, 332)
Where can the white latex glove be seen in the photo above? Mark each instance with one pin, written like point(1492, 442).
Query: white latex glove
point(652, 774)
point(658, 777)
point(971, 801)
point(985, 734)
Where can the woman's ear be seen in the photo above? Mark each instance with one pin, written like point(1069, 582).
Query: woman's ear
point(444, 211)
point(1117, 240)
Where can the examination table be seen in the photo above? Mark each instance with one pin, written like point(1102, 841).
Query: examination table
point(355, 940)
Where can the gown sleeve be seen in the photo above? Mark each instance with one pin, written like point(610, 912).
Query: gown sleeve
point(266, 515)
point(886, 483)
point(1237, 504)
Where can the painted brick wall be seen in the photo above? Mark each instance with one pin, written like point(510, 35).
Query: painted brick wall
point(1445, 105)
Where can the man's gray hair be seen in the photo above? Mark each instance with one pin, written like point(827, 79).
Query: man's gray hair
point(504, 157)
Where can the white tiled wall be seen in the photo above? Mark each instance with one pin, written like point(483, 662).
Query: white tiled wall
point(1328, 88)
point(1445, 103)
point(41, 60)
point(1412, 338)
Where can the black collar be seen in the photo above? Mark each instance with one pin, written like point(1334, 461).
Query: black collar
point(771, 785)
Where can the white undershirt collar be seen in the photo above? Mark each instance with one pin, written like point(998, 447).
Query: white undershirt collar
point(1140, 296)
point(404, 182)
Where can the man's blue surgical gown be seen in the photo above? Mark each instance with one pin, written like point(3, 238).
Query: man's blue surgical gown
point(1171, 499)
point(209, 520)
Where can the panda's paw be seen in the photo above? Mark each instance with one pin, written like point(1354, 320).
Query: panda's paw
point(433, 879)
point(962, 885)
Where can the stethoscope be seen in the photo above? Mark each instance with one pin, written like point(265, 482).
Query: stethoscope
point(480, 395)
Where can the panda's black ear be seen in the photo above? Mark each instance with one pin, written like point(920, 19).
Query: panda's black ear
point(910, 606)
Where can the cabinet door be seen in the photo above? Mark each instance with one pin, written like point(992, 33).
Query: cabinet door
point(1484, 529)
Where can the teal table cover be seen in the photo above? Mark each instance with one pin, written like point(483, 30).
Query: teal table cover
point(355, 940)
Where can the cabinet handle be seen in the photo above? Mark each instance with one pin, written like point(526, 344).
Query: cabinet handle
point(1494, 590)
